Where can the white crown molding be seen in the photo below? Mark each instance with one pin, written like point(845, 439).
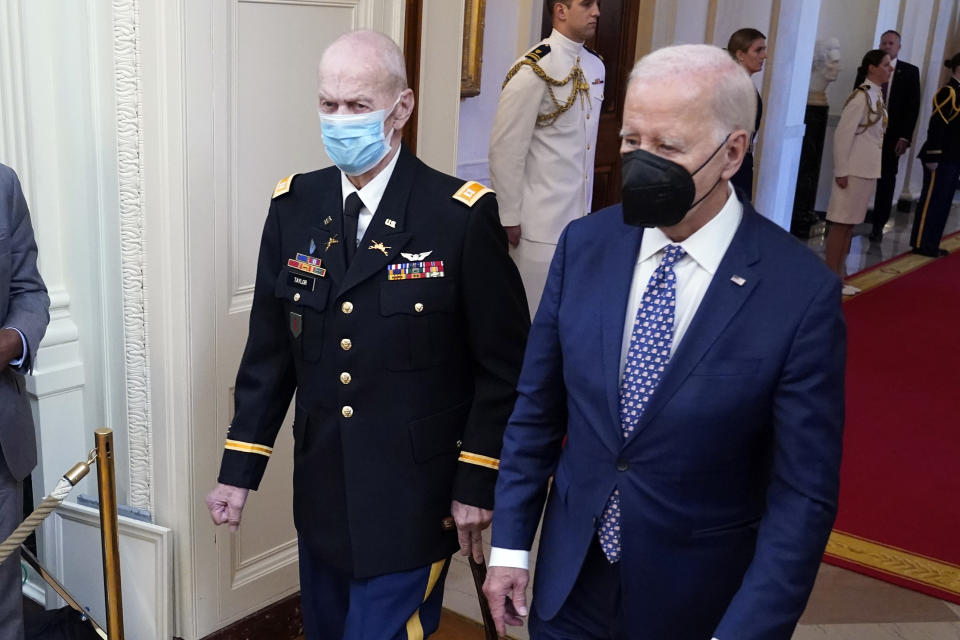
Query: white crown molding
point(127, 74)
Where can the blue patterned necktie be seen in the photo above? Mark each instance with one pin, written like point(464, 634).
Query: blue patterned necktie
point(646, 360)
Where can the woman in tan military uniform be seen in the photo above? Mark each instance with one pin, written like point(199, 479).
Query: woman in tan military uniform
point(857, 147)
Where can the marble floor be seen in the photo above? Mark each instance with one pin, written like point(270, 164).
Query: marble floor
point(843, 606)
point(896, 240)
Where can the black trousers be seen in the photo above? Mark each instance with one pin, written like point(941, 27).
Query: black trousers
point(934, 206)
point(11, 514)
point(886, 185)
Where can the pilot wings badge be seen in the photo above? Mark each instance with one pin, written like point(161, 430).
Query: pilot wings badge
point(416, 257)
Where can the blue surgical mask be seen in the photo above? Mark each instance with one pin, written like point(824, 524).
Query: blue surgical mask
point(356, 142)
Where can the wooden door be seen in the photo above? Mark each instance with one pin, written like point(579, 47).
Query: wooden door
point(616, 41)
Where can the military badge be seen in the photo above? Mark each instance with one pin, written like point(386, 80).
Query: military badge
point(378, 246)
point(298, 281)
point(415, 270)
point(296, 324)
point(307, 264)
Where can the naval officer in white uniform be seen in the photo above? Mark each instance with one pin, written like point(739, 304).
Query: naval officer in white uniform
point(544, 140)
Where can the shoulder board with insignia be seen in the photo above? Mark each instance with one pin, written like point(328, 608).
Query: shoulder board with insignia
point(470, 192)
point(596, 53)
point(284, 185)
point(538, 53)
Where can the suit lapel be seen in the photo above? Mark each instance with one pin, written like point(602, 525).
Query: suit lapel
point(620, 260)
point(720, 304)
point(382, 243)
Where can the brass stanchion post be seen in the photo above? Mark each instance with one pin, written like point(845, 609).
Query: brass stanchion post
point(107, 488)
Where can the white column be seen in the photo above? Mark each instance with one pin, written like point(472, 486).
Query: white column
point(784, 107)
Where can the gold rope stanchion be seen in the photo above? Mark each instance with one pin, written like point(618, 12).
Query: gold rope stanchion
point(107, 489)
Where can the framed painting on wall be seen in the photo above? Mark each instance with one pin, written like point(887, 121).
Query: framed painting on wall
point(472, 48)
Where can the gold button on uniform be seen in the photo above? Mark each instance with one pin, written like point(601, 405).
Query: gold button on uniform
point(588, 116)
point(345, 344)
point(418, 307)
point(347, 307)
point(296, 297)
point(345, 378)
point(347, 411)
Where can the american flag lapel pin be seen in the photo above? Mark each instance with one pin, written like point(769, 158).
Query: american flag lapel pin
point(737, 280)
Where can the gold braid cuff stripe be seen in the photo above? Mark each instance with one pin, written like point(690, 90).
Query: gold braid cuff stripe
point(479, 460)
point(893, 561)
point(248, 447)
point(580, 88)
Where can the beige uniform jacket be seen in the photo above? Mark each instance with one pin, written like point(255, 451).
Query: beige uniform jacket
point(857, 144)
point(544, 175)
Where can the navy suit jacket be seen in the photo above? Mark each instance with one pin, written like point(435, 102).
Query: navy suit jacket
point(729, 484)
point(24, 305)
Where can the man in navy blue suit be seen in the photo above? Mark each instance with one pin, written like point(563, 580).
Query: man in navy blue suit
point(683, 385)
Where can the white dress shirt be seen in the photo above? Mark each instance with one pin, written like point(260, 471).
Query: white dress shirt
point(704, 251)
point(370, 195)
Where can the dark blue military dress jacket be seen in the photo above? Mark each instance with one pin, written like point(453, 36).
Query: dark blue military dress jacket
point(404, 364)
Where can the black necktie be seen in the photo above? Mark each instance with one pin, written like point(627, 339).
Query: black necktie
point(351, 214)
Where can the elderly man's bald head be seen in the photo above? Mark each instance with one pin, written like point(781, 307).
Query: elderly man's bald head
point(710, 74)
point(368, 53)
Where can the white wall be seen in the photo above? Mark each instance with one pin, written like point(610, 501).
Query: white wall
point(477, 113)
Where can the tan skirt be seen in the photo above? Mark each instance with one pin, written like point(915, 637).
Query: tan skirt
point(849, 206)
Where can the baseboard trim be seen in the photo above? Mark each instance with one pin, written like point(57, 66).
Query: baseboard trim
point(280, 621)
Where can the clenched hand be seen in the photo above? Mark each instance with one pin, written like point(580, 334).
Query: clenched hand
point(225, 503)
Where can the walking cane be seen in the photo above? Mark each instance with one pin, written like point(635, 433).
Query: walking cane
point(479, 571)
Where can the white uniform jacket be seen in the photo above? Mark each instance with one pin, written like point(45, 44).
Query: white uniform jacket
point(858, 141)
point(544, 175)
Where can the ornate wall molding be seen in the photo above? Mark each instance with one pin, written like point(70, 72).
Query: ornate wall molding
point(127, 77)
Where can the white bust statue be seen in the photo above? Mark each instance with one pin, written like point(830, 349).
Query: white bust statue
point(826, 68)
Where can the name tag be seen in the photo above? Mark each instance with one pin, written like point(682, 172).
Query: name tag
point(298, 281)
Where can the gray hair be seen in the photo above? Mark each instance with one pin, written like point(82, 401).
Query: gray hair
point(707, 70)
point(387, 54)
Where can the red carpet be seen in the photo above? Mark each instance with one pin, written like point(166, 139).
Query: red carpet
point(899, 514)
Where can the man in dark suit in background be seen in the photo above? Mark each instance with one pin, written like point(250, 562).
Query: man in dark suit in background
point(24, 313)
point(386, 298)
point(691, 353)
point(902, 95)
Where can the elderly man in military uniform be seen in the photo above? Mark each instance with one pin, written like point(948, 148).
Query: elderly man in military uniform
point(386, 298)
point(544, 139)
